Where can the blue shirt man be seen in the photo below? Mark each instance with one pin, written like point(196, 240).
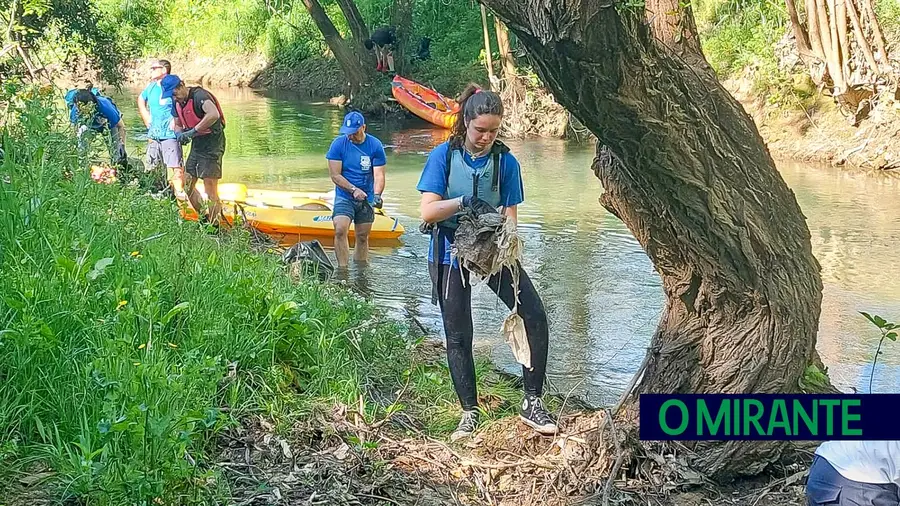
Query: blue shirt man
point(105, 113)
point(356, 163)
point(434, 180)
point(163, 151)
point(161, 118)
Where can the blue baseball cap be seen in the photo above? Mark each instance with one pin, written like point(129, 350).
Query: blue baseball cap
point(168, 84)
point(353, 121)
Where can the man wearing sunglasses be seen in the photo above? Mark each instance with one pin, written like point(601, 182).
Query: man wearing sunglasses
point(163, 151)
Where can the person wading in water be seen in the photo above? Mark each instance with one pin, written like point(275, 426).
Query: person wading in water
point(474, 171)
point(356, 162)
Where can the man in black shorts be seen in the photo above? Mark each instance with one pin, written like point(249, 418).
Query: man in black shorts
point(382, 41)
point(203, 124)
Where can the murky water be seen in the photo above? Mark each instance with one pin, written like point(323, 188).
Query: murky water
point(602, 295)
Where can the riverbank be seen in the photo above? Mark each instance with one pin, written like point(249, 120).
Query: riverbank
point(806, 126)
point(531, 109)
point(801, 126)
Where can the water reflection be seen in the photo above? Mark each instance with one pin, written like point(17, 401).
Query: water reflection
point(601, 292)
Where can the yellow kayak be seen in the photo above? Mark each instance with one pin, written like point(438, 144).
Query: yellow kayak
point(283, 213)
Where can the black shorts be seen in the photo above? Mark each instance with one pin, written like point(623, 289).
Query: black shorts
point(205, 158)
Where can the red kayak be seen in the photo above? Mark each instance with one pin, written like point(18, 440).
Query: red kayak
point(424, 102)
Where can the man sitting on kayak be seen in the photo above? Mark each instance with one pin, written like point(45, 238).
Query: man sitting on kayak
point(356, 162)
point(202, 122)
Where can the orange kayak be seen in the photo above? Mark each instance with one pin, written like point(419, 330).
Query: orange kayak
point(425, 102)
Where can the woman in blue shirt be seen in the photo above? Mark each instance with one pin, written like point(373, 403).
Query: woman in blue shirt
point(93, 113)
point(476, 171)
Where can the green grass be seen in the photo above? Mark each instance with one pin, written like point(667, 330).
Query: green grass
point(737, 35)
point(131, 339)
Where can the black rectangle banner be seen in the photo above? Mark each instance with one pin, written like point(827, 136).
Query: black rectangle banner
point(769, 416)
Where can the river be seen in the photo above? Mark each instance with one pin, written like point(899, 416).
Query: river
point(601, 292)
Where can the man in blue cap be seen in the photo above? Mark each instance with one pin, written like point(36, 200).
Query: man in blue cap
point(202, 124)
point(356, 162)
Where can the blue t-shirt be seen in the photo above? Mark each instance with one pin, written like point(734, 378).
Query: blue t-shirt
point(160, 112)
point(434, 180)
point(106, 109)
point(357, 162)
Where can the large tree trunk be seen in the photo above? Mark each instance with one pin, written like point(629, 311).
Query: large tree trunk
point(358, 28)
point(350, 64)
point(692, 179)
point(402, 19)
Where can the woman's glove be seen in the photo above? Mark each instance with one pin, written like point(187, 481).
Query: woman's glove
point(477, 205)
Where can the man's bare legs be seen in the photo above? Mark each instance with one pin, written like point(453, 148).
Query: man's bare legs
point(342, 240)
point(361, 248)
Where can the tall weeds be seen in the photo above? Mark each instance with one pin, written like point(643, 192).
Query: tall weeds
point(130, 339)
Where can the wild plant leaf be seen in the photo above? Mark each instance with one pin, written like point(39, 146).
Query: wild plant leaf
point(868, 317)
point(285, 307)
point(891, 335)
point(99, 267)
point(179, 308)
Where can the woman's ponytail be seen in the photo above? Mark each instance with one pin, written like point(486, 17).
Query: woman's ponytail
point(473, 102)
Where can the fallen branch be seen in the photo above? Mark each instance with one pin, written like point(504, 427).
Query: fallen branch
point(620, 456)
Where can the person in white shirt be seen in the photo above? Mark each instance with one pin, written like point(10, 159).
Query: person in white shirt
point(855, 473)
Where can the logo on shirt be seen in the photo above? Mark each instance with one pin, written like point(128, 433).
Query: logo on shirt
point(365, 163)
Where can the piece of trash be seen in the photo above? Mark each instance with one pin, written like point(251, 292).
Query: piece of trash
point(484, 245)
point(341, 452)
point(285, 448)
point(513, 330)
point(311, 255)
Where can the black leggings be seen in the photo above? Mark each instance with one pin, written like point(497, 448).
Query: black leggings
point(455, 300)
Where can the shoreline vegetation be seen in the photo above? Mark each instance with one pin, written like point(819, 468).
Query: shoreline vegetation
point(133, 341)
point(145, 361)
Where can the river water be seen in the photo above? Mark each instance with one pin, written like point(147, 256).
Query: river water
point(601, 292)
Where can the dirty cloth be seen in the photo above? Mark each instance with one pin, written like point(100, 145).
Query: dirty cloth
point(484, 245)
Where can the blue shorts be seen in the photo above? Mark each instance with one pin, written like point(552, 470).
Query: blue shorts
point(360, 212)
point(826, 486)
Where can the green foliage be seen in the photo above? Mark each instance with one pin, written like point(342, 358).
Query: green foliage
point(888, 330)
point(739, 34)
point(815, 378)
point(71, 27)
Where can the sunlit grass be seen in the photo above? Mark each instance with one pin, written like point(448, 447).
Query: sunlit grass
point(131, 339)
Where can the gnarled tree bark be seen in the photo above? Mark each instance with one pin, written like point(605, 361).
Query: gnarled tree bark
point(692, 179)
point(359, 30)
point(353, 71)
